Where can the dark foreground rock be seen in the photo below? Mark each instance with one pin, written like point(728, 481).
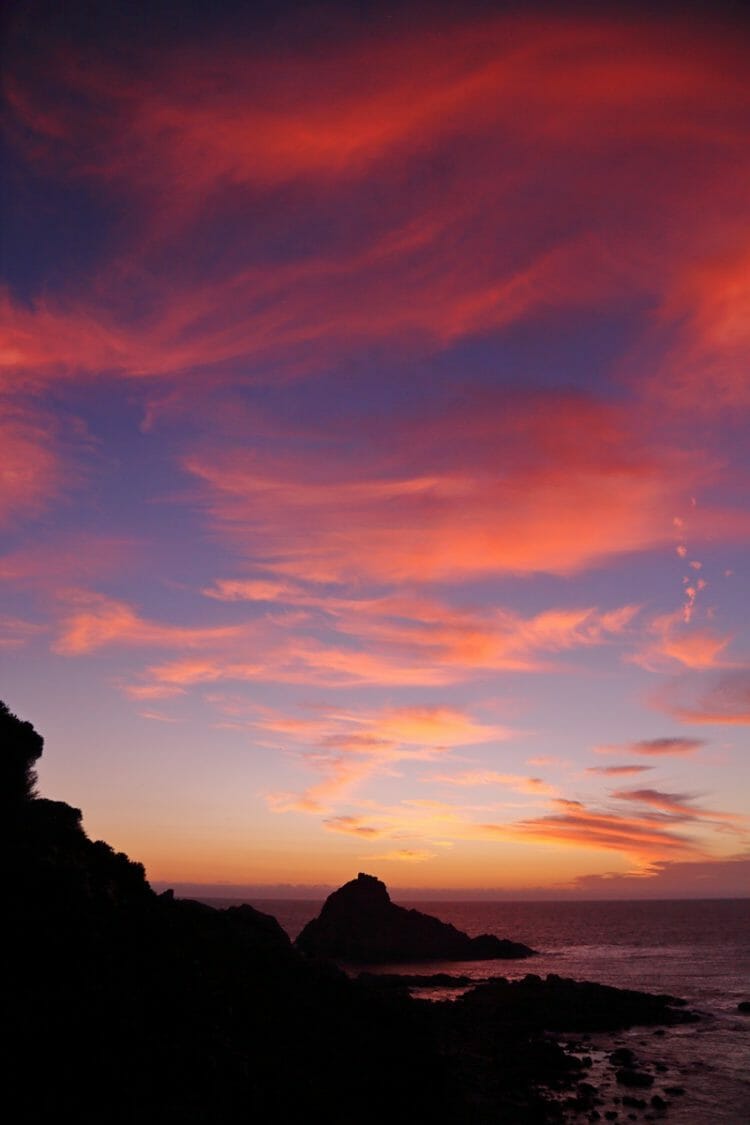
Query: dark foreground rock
point(359, 923)
point(415, 980)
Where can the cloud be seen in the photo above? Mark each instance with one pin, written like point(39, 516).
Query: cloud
point(707, 369)
point(655, 747)
point(480, 778)
point(33, 472)
point(404, 855)
point(674, 640)
point(101, 621)
point(494, 486)
point(351, 826)
point(725, 701)
point(678, 805)
point(327, 639)
point(57, 563)
point(617, 771)
point(16, 632)
point(702, 878)
point(349, 746)
point(430, 632)
point(575, 825)
point(495, 117)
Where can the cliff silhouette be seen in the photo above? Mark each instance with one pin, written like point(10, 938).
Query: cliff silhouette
point(130, 1007)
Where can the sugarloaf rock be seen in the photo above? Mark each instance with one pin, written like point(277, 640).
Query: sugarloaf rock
point(359, 923)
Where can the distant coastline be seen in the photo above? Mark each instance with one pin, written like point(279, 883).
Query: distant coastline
point(205, 892)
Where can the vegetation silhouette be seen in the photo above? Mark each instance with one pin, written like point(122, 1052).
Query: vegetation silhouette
point(131, 1007)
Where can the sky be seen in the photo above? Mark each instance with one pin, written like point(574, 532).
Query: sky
point(374, 399)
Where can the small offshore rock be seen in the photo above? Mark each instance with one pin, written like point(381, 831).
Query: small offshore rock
point(674, 1091)
point(744, 1006)
point(359, 923)
point(623, 1056)
point(636, 1079)
point(658, 1102)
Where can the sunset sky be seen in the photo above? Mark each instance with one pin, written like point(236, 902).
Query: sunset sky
point(374, 404)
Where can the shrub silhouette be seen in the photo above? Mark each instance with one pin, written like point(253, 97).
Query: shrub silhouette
point(20, 749)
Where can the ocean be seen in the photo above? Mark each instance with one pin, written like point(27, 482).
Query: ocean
point(697, 950)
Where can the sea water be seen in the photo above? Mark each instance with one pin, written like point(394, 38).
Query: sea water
point(696, 950)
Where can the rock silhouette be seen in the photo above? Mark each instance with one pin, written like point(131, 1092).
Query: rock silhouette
point(359, 923)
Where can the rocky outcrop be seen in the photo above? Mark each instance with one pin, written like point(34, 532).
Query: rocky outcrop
point(359, 923)
point(559, 1004)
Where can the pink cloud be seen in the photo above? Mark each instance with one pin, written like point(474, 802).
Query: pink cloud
point(33, 473)
point(655, 747)
point(100, 621)
point(67, 560)
point(726, 701)
point(16, 632)
point(678, 805)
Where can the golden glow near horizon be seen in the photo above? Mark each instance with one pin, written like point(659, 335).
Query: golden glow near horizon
point(373, 415)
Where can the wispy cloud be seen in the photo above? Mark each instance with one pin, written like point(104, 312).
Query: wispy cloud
point(347, 747)
point(479, 778)
point(724, 701)
point(617, 771)
point(675, 746)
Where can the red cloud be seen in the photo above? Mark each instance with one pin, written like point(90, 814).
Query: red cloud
point(586, 148)
point(550, 484)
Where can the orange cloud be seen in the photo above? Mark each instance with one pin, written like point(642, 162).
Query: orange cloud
point(404, 855)
point(481, 778)
point(351, 826)
point(617, 771)
point(350, 746)
point(576, 826)
point(673, 640)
